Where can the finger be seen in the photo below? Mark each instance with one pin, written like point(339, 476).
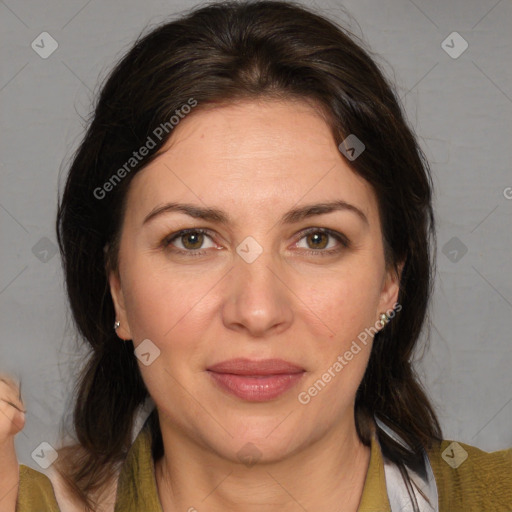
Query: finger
point(11, 384)
point(14, 405)
point(15, 420)
point(10, 393)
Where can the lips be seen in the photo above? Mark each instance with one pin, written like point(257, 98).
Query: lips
point(256, 381)
point(265, 367)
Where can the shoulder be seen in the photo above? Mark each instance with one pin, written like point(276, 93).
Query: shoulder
point(35, 491)
point(469, 479)
point(35, 488)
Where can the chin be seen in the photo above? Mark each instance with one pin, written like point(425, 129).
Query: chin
point(264, 441)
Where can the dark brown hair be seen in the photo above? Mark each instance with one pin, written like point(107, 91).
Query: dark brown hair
point(221, 53)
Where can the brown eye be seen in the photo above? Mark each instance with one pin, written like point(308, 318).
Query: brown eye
point(318, 240)
point(323, 242)
point(189, 240)
point(192, 240)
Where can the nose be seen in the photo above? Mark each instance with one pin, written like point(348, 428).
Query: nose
point(257, 300)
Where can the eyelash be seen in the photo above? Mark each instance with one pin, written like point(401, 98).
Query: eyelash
point(197, 252)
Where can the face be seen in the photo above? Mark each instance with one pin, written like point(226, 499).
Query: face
point(256, 281)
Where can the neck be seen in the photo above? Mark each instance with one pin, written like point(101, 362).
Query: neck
point(328, 474)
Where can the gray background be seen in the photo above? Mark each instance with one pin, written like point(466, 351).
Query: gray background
point(460, 108)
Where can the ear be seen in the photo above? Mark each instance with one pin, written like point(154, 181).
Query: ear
point(123, 331)
point(390, 289)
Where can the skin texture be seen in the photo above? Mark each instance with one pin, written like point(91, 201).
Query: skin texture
point(255, 161)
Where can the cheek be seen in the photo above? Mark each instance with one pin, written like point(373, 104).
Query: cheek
point(146, 307)
point(160, 303)
point(346, 301)
point(341, 358)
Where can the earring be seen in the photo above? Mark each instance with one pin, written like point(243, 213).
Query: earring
point(384, 319)
point(116, 325)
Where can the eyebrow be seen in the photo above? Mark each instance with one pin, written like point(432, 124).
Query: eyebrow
point(291, 217)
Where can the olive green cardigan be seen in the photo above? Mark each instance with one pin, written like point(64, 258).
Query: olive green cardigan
point(480, 483)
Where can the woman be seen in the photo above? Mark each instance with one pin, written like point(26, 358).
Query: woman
point(245, 232)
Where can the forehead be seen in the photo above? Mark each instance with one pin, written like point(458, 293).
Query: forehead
point(250, 132)
point(252, 154)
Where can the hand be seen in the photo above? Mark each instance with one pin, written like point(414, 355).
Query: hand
point(12, 421)
point(12, 411)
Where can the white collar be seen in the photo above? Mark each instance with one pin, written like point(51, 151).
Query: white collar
point(398, 495)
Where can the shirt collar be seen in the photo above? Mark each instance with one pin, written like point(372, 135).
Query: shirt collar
point(375, 496)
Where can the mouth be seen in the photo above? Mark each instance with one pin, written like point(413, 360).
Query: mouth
point(252, 367)
point(256, 381)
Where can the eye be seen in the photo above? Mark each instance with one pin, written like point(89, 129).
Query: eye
point(317, 241)
point(190, 239)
